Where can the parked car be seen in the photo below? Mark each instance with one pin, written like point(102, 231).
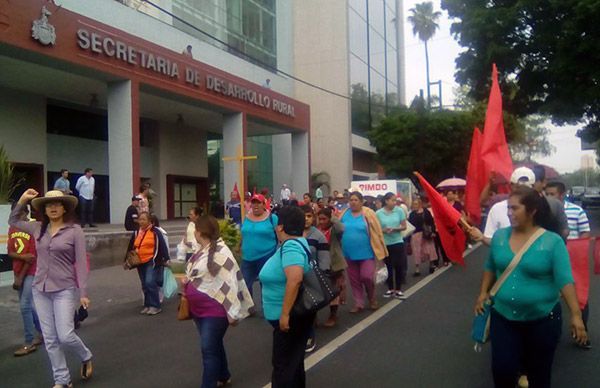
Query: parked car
point(591, 197)
point(575, 194)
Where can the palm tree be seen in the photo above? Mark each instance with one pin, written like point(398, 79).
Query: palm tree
point(424, 22)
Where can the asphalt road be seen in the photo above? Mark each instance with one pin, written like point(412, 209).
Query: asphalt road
point(422, 342)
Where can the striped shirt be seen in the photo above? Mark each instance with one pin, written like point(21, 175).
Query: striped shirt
point(578, 221)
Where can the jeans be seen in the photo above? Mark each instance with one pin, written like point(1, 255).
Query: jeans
point(87, 211)
point(30, 318)
point(149, 277)
point(288, 352)
point(214, 360)
point(55, 310)
point(361, 273)
point(251, 269)
point(524, 346)
point(396, 264)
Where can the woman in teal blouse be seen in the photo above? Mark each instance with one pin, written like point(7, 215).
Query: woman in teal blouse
point(526, 316)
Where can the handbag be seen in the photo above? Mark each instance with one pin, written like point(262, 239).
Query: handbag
point(427, 231)
point(316, 290)
point(481, 324)
point(132, 259)
point(183, 310)
point(410, 229)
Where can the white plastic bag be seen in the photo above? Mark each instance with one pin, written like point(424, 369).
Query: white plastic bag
point(181, 251)
point(381, 275)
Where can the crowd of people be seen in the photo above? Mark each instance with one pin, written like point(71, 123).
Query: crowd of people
point(347, 235)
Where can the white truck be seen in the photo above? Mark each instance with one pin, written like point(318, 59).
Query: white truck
point(401, 187)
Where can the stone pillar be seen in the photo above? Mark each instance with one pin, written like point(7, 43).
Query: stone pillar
point(234, 136)
point(300, 163)
point(123, 146)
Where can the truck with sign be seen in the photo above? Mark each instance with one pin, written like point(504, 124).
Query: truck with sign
point(403, 188)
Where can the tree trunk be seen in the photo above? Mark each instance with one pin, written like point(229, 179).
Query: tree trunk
point(427, 72)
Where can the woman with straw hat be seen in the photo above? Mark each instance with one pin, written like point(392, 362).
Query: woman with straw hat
point(61, 269)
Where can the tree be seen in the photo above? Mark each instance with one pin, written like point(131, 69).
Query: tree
point(546, 52)
point(424, 22)
point(533, 140)
point(435, 143)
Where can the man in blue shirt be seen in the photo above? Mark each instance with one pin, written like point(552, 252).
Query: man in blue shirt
point(62, 183)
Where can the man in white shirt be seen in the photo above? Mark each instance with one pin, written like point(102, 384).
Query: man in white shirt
point(285, 194)
point(498, 215)
point(85, 186)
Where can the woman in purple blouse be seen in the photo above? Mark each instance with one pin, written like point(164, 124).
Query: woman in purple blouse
point(61, 270)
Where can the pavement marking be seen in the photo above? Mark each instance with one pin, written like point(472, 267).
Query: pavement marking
point(333, 345)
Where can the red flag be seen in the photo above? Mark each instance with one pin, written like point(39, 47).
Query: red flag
point(235, 190)
point(494, 149)
point(579, 254)
point(475, 182)
point(446, 219)
point(597, 256)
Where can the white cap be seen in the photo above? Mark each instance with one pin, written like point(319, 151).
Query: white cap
point(523, 176)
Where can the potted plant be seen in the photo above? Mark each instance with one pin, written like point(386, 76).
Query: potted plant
point(6, 188)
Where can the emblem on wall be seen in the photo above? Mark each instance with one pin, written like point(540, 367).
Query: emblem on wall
point(43, 31)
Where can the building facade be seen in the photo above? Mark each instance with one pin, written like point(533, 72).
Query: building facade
point(354, 51)
point(110, 85)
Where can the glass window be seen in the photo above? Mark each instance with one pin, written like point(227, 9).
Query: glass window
point(358, 72)
point(360, 6)
point(377, 52)
point(392, 63)
point(357, 35)
point(376, 15)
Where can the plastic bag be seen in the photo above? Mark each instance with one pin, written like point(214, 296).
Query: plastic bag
point(181, 251)
point(169, 283)
point(381, 275)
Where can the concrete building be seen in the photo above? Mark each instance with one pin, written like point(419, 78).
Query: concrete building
point(106, 84)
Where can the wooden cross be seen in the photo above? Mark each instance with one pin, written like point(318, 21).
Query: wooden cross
point(241, 159)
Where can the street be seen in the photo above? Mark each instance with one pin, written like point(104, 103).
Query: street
point(421, 342)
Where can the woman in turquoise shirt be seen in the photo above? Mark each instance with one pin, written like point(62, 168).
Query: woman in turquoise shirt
point(259, 241)
point(526, 316)
point(281, 278)
point(393, 220)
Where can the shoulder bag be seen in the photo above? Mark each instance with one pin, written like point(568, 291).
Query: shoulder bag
point(481, 324)
point(132, 259)
point(316, 290)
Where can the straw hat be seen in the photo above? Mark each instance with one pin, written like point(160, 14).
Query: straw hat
point(68, 201)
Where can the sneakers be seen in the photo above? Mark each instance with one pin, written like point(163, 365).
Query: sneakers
point(224, 383)
point(388, 294)
point(25, 350)
point(70, 385)
point(311, 344)
point(153, 311)
point(86, 369)
point(145, 310)
point(399, 295)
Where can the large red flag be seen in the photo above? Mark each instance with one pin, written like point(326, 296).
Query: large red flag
point(494, 149)
point(579, 254)
point(475, 180)
point(446, 222)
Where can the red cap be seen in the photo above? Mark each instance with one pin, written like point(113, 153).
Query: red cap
point(258, 197)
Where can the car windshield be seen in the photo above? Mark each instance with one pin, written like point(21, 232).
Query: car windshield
point(592, 190)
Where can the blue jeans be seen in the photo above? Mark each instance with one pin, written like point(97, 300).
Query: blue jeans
point(149, 277)
point(214, 360)
point(251, 269)
point(55, 310)
point(30, 318)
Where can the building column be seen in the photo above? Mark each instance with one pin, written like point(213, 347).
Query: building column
point(123, 146)
point(300, 163)
point(234, 136)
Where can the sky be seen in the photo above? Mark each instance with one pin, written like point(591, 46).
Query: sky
point(443, 50)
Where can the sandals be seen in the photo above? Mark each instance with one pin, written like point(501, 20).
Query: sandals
point(86, 369)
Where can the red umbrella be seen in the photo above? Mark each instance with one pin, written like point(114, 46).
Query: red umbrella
point(452, 183)
point(551, 173)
